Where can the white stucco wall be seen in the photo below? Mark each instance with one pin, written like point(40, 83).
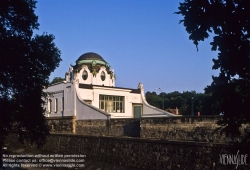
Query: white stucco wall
point(74, 102)
point(129, 99)
point(58, 91)
point(89, 79)
point(95, 80)
point(85, 111)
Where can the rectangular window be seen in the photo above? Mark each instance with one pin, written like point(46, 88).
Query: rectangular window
point(111, 104)
point(62, 103)
point(49, 105)
point(56, 105)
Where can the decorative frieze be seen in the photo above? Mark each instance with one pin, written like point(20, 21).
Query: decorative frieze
point(55, 92)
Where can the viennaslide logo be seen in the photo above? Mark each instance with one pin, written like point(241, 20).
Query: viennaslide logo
point(234, 159)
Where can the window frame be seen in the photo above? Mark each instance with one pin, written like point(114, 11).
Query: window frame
point(111, 103)
point(84, 71)
point(56, 105)
point(62, 103)
point(49, 105)
point(103, 76)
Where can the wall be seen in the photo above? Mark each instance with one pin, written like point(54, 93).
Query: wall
point(202, 129)
point(164, 143)
point(96, 80)
point(117, 92)
point(58, 91)
point(112, 127)
point(61, 124)
point(85, 111)
point(143, 153)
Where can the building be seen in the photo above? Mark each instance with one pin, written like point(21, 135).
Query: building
point(173, 111)
point(89, 92)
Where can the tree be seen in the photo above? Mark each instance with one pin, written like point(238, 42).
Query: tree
point(57, 80)
point(153, 99)
point(26, 64)
point(229, 22)
point(202, 102)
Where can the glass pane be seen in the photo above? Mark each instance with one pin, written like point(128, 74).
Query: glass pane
point(102, 105)
point(121, 106)
point(102, 75)
point(84, 75)
point(101, 97)
point(114, 105)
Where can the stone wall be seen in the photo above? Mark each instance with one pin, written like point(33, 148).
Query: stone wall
point(92, 127)
point(64, 124)
point(143, 153)
point(202, 128)
point(124, 127)
point(113, 127)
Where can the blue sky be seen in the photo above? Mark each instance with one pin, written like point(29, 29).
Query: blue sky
point(142, 40)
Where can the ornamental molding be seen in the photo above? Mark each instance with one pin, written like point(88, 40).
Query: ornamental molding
point(85, 67)
point(76, 81)
point(94, 72)
point(55, 92)
point(140, 86)
point(103, 68)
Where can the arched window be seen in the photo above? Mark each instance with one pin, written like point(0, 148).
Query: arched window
point(103, 76)
point(84, 75)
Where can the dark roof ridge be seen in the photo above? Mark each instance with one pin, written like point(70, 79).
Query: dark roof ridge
point(90, 86)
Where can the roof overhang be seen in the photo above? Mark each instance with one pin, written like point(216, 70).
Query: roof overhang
point(90, 86)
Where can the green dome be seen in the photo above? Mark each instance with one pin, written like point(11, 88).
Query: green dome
point(91, 58)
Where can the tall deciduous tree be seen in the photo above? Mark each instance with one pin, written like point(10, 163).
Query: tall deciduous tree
point(183, 101)
point(25, 67)
point(229, 22)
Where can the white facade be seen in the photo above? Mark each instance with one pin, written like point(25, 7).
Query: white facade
point(89, 92)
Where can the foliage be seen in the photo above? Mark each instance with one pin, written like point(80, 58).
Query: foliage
point(26, 64)
point(57, 80)
point(229, 22)
point(182, 101)
point(154, 99)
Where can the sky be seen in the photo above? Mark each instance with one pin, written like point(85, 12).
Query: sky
point(142, 40)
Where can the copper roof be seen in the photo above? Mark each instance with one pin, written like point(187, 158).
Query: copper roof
point(90, 56)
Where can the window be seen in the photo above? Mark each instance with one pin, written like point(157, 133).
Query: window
point(49, 106)
point(56, 105)
point(111, 104)
point(84, 75)
point(103, 76)
point(62, 103)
